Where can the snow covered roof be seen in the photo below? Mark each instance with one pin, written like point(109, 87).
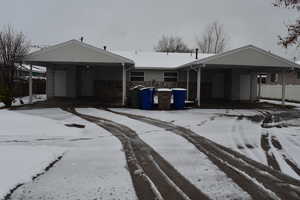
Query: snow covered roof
point(246, 56)
point(74, 51)
point(159, 60)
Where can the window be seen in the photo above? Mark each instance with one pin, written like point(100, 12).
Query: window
point(298, 75)
point(137, 76)
point(274, 77)
point(170, 76)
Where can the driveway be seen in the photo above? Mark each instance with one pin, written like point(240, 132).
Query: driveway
point(196, 154)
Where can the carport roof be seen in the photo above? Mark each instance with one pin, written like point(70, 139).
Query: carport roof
point(74, 52)
point(249, 56)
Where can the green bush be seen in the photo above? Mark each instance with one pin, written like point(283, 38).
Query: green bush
point(6, 96)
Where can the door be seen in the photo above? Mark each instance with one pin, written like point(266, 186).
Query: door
point(60, 83)
point(245, 87)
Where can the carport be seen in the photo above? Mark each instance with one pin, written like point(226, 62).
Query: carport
point(76, 70)
point(233, 74)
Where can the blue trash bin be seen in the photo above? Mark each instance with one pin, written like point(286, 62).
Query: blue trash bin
point(146, 98)
point(179, 97)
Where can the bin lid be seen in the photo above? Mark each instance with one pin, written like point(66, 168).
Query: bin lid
point(180, 89)
point(147, 88)
point(164, 90)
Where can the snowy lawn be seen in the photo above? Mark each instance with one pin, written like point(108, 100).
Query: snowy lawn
point(20, 163)
point(93, 161)
point(241, 135)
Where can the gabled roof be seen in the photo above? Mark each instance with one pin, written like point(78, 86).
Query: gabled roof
point(74, 51)
point(246, 56)
point(159, 60)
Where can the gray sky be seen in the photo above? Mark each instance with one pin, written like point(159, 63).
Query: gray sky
point(139, 24)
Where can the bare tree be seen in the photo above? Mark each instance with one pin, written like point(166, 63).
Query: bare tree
point(13, 47)
point(213, 40)
point(171, 44)
point(292, 29)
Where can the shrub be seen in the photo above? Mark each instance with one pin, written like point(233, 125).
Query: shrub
point(6, 96)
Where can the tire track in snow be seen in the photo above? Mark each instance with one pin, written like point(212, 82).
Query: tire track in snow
point(164, 179)
point(265, 145)
point(281, 185)
point(276, 143)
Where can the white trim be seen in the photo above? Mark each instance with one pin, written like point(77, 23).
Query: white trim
point(124, 84)
point(283, 85)
point(199, 87)
point(30, 85)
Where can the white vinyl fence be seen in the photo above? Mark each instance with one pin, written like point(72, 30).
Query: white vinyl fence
point(292, 92)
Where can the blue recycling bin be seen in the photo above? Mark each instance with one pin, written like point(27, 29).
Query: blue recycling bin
point(179, 97)
point(146, 98)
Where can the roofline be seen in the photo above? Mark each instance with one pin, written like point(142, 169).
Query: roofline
point(204, 60)
point(155, 68)
point(51, 48)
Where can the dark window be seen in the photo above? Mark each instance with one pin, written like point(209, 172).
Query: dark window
point(137, 76)
point(274, 77)
point(170, 76)
point(298, 75)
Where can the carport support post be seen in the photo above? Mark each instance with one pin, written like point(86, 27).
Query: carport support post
point(198, 86)
point(283, 84)
point(259, 86)
point(123, 84)
point(30, 85)
point(252, 77)
point(187, 83)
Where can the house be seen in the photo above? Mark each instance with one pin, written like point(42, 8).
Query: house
point(79, 70)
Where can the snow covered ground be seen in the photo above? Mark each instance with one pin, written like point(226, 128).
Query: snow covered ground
point(92, 166)
point(240, 134)
point(192, 164)
point(297, 105)
point(20, 163)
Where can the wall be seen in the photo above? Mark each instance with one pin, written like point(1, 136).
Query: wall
point(50, 82)
point(241, 85)
point(218, 86)
point(292, 92)
point(60, 86)
point(71, 82)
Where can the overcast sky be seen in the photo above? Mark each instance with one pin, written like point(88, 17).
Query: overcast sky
point(139, 24)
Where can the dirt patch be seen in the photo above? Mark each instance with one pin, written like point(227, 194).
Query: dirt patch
point(152, 175)
point(249, 146)
point(75, 125)
point(254, 118)
point(80, 139)
point(237, 166)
